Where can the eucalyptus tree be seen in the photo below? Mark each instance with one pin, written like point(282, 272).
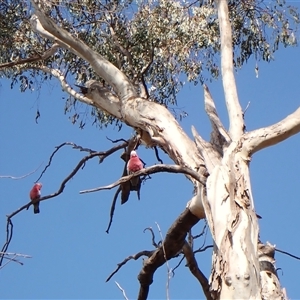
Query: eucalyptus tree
point(131, 59)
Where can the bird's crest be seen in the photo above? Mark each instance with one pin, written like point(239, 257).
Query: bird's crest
point(133, 153)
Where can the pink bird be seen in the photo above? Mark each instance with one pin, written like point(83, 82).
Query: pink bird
point(35, 195)
point(134, 164)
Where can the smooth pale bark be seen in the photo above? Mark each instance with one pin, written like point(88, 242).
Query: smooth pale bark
point(265, 137)
point(111, 74)
point(235, 114)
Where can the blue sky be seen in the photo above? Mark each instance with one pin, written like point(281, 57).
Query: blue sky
point(71, 253)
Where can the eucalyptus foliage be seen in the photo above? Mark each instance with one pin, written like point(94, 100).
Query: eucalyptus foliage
point(162, 44)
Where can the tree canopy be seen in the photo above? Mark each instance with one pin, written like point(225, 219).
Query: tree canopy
point(158, 44)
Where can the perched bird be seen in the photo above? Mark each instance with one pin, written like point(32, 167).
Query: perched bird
point(134, 164)
point(35, 195)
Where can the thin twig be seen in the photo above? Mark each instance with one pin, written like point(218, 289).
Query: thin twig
point(57, 149)
point(135, 257)
point(287, 253)
point(116, 141)
point(195, 270)
point(202, 249)
point(27, 60)
point(9, 235)
point(153, 237)
point(112, 209)
point(10, 260)
point(7, 255)
point(177, 266)
point(167, 263)
point(20, 177)
point(204, 230)
point(157, 155)
point(124, 294)
point(247, 106)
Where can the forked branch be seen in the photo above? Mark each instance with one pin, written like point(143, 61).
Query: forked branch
point(106, 70)
point(101, 155)
point(35, 58)
point(171, 246)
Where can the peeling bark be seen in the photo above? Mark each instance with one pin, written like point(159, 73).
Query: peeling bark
point(269, 279)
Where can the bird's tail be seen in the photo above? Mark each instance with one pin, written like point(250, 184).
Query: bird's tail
point(36, 208)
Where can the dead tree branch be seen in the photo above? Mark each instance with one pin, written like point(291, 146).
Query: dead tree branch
point(150, 170)
point(122, 290)
point(167, 263)
point(38, 57)
point(287, 253)
point(157, 155)
point(102, 155)
point(20, 177)
point(173, 243)
point(156, 245)
point(12, 257)
point(9, 235)
point(70, 176)
point(112, 208)
point(193, 266)
point(135, 257)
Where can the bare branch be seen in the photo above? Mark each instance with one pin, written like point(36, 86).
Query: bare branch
point(172, 244)
point(178, 265)
point(9, 235)
point(112, 208)
point(123, 292)
point(211, 111)
point(202, 249)
point(235, 114)
point(74, 146)
point(20, 177)
point(70, 176)
point(135, 257)
point(144, 93)
point(65, 86)
point(167, 263)
point(38, 57)
point(210, 155)
point(153, 237)
point(106, 70)
point(204, 231)
point(268, 273)
point(11, 257)
point(268, 136)
point(124, 51)
point(150, 170)
point(287, 253)
point(157, 155)
point(193, 266)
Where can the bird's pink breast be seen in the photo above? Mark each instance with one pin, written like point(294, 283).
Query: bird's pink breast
point(35, 193)
point(135, 164)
